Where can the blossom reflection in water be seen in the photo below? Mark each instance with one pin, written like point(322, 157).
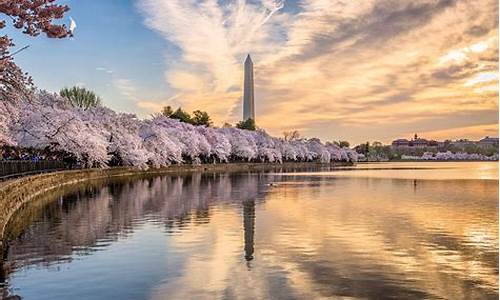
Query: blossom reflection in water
point(306, 236)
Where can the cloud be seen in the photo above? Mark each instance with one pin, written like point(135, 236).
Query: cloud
point(103, 69)
point(126, 87)
point(365, 64)
point(374, 24)
point(460, 55)
point(481, 78)
point(156, 106)
point(213, 40)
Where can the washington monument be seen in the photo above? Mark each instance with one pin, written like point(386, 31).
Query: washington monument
point(248, 99)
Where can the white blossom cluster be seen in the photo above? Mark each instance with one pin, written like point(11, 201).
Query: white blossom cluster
point(451, 156)
point(99, 136)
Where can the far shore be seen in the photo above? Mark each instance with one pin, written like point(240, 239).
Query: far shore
point(422, 160)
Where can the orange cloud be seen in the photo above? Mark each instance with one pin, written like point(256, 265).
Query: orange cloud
point(367, 65)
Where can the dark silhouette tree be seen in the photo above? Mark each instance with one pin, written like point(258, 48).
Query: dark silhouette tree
point(181, 115)
point(363, 148)
point(343, 144)
point(201, 118)
point(167, 111)
point(291, 135)
point(248, 124)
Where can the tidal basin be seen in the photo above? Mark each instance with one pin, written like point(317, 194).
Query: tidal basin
point(373, 231)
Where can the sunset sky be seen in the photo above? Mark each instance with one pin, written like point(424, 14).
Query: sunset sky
point(334, 69)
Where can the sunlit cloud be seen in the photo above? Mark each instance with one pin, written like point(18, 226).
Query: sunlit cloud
point(334, 63)
point(482, 77)
point(457, 56)
point(126, 87)
point(156, 106)
point(479, 47)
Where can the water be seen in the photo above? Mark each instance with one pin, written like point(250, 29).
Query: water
point(393, 230)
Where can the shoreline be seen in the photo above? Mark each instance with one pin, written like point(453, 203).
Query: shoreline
point(15, 193)
point(424, 160)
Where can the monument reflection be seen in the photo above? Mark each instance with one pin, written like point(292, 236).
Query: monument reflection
point(237, 236)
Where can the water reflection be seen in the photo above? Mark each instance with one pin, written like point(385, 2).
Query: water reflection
point(438, 170)
point(194, 237)
point(249, 227)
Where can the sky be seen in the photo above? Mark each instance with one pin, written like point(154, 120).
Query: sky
point(334, 69)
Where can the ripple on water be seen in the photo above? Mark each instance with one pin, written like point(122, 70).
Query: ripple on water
point(307, 236)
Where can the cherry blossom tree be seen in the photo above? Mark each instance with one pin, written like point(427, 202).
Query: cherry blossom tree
point(242, 143)
point(163, 150)
point(121, 131)
point(9, 112)
point(267, 146)
point(317, 150)
point(220, 147)
point(288, 151)
point(98, 136)
point(48, 122)
point(193, 145)
point(448, 155)
point(33, 17)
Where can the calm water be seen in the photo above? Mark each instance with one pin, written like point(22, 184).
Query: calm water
point(394, 230)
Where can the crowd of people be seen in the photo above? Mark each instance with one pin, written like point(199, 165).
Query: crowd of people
point(15, 153)
point(12, 153)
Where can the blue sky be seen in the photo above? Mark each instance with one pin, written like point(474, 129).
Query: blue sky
point(111, 43)
point(113, 52)
point(334, 69)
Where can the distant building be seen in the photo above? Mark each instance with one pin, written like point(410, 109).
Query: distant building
point(488, 142)
point(462, 143)
point(400, 143)
point(433, 143)
point(248, 92)
point(419, 143)
point(416, 142)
